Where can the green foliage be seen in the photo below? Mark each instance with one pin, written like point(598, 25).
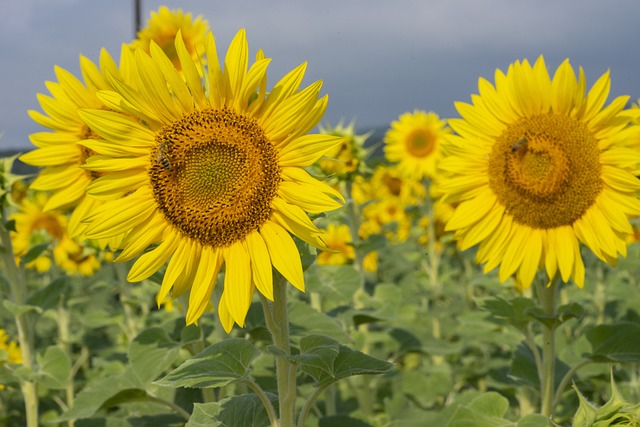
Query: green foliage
point(244, 410)
point(216, 366)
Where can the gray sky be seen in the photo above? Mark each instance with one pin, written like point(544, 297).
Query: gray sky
point(378, 58)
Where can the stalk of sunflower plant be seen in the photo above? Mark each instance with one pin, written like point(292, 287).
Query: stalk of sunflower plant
point(14, 275)
point(538, 166)
point(211, 172)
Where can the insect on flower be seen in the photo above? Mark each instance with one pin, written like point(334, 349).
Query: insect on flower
point(162, 155)
point(518, 144)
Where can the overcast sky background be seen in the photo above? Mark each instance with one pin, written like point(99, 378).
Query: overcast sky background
point(377, 58)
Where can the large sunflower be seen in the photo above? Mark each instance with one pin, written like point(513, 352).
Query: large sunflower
point(414, 142)
point(539, 165)
point(210, 170)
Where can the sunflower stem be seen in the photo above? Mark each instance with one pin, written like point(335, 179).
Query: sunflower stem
point(278, 324)
point(548, 301)
point(18, 283)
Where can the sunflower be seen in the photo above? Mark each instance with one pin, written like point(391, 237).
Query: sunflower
point(35, 226)
point(347, 159)
point(339, 242)
point(162, 28)
point(414, 142)
point(11, 348)
point(539, 165)
point(59, 152)
point(210, 172)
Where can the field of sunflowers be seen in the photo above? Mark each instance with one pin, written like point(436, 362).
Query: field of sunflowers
point(196, 248)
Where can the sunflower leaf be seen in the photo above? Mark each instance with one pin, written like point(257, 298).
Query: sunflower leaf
point(54, 368)
point(151, 353)
point(246, 410)
point(614, 343)
point(514, 311)
point(219, 364)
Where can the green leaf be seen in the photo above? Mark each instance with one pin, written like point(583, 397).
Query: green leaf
point(317, 356)
point(246, 410)
point(20, 310)
point(94, 397)
point(486, 410)
point(34, 252)
point(219, 364)
point(151, 353)
point(352, 362)
point(49, 296)
point(614, 343)
point(342, 421)
point(54, 368)
point(336, 283)
point(514, 311)
point(524, 371)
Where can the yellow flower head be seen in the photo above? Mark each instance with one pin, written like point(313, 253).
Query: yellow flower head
point(338, 239)
point(540, 165)
point(388, 182)
point(10, 347)
point(414, 142)
point(346, 159)
point(210, 170)
point(60, 152)
point(35, 226)
point(162, 28)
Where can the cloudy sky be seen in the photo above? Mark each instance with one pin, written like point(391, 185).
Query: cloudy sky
point(377, 58)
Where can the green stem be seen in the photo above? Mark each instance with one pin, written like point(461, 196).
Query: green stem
point(311, 400)
point(353, 222)
point(18, 284)
point(565, 380)
point(271, 412)
point(278, 324)
point(64, 320)
point(548, 301)
point(434, 256)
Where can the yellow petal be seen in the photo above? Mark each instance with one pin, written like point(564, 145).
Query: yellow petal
point(284, 253)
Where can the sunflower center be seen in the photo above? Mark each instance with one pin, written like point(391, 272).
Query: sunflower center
point(545, 170)
point(214, 174)
point(420, 143)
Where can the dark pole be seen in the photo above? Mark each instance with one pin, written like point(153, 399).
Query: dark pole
point(137, 13)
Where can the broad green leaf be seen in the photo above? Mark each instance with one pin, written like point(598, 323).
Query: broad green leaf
point(305, 320)
point(524, 371)
point(93, 397)
point(488, 410)
point(317, 356)
point(151, 353)
point(246, 410)
point(336, 283)
point(342, 421)
point(513, 311)
point(614, 343)
point(54, 368)
point(352, 362)
point(219, 364)
point(20, 310)
point(49, 296)
point(532, 420)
